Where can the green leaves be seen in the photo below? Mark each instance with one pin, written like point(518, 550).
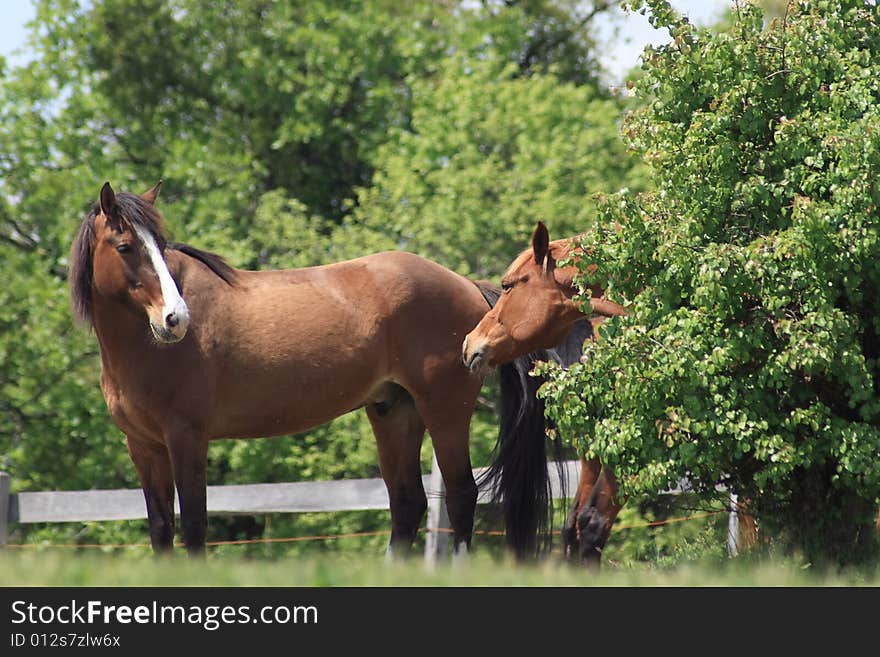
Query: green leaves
point(488, 154)
point(752, 354)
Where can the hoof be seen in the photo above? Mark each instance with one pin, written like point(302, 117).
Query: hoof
point(461, 555)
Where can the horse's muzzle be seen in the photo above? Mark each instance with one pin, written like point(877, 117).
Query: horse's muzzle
point(167, 335)
point(174, 326)
point(474, 357)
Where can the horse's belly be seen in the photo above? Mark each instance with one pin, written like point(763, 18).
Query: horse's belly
point(272, 404)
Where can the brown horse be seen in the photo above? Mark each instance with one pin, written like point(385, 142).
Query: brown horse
point(536, 312)
point(193, 350)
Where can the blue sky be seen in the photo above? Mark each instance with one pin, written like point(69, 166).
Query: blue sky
point(13, 16)
point(621, 50)
point(635, 32)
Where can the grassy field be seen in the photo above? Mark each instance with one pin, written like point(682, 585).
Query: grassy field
point(691, 553)
point(51, 568)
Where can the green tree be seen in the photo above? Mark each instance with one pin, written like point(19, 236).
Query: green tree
point(490, 152)
point(751, 356)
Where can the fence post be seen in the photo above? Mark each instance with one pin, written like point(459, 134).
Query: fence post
point(4, 507)
point(436, 538)
point(733, 527)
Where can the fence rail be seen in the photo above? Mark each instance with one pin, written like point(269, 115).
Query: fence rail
point(245, 499)
point(252, 499)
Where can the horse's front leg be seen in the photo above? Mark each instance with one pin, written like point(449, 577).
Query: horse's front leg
point(590, 471)
point(596, 518)
point(189, 458)
point(154, 471)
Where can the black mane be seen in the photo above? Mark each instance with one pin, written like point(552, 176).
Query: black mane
point(80, 270)
point(212, 261)
point(135, 212)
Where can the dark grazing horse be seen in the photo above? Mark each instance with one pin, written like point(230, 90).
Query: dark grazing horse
point(193, 350)
point(534, 313)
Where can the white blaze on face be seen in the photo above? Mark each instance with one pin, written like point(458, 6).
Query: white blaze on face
point(173, 304)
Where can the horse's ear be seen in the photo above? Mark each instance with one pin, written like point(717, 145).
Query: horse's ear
point(541, 243)
point(151, 195)
point(541, 248)
point(107, 201)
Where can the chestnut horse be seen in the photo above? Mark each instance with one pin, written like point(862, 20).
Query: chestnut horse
point(193, 350)
point(536, 312)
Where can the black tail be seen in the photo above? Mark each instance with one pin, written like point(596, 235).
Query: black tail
point(518, 476)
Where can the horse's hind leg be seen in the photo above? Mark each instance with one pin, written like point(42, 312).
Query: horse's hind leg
point(399, 433)
point(448, 420)
point(154, 471)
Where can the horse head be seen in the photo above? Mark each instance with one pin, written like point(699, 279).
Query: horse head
point(535, 310)
point(128, 262)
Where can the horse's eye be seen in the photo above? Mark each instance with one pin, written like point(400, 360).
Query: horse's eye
point(124, 248)
point(506, 287)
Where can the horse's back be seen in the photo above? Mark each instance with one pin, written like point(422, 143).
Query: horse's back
point(429, 311)
point(419, 279)
point(421, 292)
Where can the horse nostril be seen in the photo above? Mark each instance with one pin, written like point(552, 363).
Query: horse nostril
point(472, 358)
point(171, 320)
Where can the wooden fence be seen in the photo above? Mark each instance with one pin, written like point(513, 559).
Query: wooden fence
point(253, 499)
